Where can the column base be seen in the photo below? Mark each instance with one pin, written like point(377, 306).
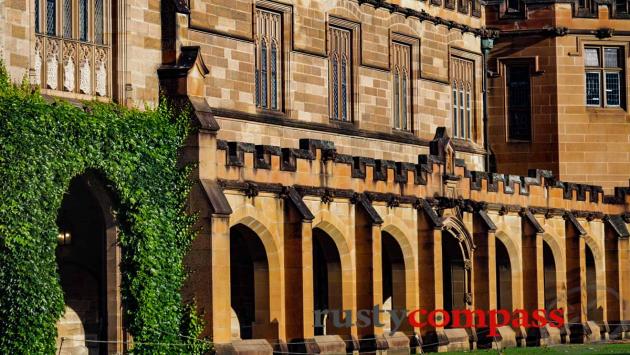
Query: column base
point(245, 347)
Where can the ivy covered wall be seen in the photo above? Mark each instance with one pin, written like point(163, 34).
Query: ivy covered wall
point(43, 145)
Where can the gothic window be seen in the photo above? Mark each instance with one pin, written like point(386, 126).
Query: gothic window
point(401, 72)
point(268, 59)
point(462, 86)
point(72, 46)
point(587, 8)
point(340, 57)
point(462, 6)
point(518, 102)
point(603, 76)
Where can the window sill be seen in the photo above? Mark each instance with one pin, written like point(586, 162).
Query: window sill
point(608, 113)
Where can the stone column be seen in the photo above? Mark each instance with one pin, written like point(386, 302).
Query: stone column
point(221, 302)
point(307, 280)
point(377, 276)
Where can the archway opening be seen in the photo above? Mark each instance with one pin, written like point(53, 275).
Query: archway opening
point(327, 284)
point(88, 271)
point(249, 282)
point(453, 275)
point(504, 278)
point(549, 270)
point(591, 287)
point(394, 287)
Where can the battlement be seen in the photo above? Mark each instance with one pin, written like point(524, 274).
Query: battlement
point(316, 168)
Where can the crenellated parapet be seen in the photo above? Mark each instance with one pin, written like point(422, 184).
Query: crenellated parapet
point(315, 168)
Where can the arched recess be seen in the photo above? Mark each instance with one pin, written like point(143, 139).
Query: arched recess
point(394, 278)
point(595, 280)
point(515, 269)
point(504, 278)
point(88, 258)
point(555, 271)
point(247, 221)
point(592, 310)
point(395, 230)
point(457, 252)
point(332, 288)
point(550, 278)
point(250, 284)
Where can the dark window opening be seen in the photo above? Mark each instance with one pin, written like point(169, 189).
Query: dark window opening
point(519, 103)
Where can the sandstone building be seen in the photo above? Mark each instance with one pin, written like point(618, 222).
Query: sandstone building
point(343, 161)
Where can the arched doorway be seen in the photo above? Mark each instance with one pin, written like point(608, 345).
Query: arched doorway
point(457, 250)
point(504, 278)
point(394, 286)
point(249, 283)
point(550, 282)
point(327, 283)
point(87, 258)
point(592, 312)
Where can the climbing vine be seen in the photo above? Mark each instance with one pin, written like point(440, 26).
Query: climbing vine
point(43, 146)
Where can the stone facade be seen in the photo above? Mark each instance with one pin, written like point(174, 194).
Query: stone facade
point(313, 195)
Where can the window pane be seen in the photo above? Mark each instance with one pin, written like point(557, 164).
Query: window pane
point(611, 56)
point(404, 101)
point(462, 118)
point(83, 20)
point(591, 57)
point(344, 91)
point(612, 89)
point(98, 21)
point(263, 74)
point(51, 17)
point(274, 77)
point(67, 18)
point(335, 85)
point(455, 110)
point(592, 88)
point(396, 100)
point(36, 16)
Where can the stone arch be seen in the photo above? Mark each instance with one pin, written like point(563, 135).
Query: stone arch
point(403, 27)
point(88, 256)
point(457, 277)
point(394, 228)
point(337, 231)
point(345, 9)
point(560, 264)
point(516, 267)
point(249, 217)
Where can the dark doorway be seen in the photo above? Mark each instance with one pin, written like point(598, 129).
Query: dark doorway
point(453, 274)
point(249, 281)
point(504, 278)
point(81, 258)
point(591, 287)
point(394, 287)
point(327, 284)
point(551, 291)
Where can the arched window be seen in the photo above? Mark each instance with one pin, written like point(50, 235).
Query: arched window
point(340, 61)
point(462, 72)
point(72, 47)
point(401, 67)
point(263, 74)
point(268, 40)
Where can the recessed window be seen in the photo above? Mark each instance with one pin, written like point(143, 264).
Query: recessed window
point(268, 59)
point(401, 79)
point(518, 102)
point(340, 67)
point(462, 96)
point(603, 76)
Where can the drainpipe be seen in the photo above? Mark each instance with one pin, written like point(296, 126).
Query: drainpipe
point(487, 42)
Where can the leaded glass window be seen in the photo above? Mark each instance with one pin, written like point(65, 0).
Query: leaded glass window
point(463, 98)
point(401, 67)
point(83, 20)
point(51, 17)
point(340, 73)
point(98, 21)
point(268, 36)
point(67, 18)
point(603, 76)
